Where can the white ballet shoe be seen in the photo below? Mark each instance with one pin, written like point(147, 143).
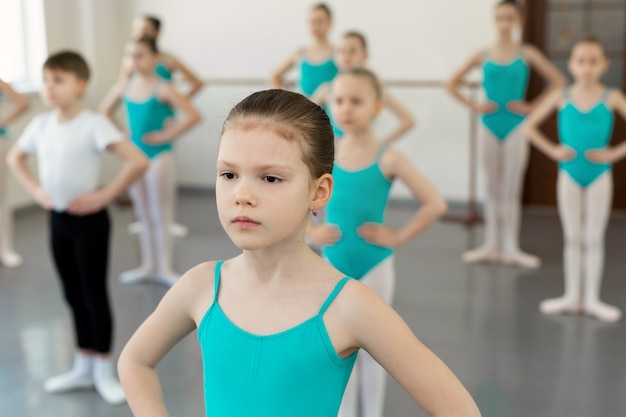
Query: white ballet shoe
point(176, 229)
point(168, 279)
point(522, 260)
point(135, 276)
point(561, 305)
point(11, 259)
point(66, 383)
point(179, 230)
point(481, 255)
point(603, 312)
point(79, 377)
point(134, 228)
point(106, 383)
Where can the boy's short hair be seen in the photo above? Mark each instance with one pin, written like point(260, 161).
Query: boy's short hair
point(68, 61)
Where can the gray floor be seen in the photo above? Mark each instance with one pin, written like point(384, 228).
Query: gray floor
point(482, 320)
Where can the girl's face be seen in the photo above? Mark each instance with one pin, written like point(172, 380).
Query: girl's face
point(507, 19)
point(140, 58)
point(350, 53)
point(319, 23)
point(354, 102)
point(142, 27)
point(264, 190)
point(587, 62)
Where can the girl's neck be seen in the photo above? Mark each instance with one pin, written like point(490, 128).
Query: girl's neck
point(278, 262)
point(147, 76)
point(587, 85)
point(361, 138)
point(67, 113)
point(321, 42)
point(506, 40)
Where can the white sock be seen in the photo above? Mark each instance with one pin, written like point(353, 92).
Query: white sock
point(106, 382)
point(11, 259)
point(168, 279)
point(78, 377)
point(134, 276)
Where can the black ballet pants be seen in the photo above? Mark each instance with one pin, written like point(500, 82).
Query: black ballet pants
point(80, 248)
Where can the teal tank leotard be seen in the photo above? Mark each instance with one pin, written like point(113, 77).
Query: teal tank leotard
point(313, 75)
point(358, 197)
point(296, 372)
point(584, 131)
point(503, 84)
point(162, 71)
point(147, 116)
point(3, 130)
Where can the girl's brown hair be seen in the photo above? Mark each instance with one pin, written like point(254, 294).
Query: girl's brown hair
point(369, 75)
point(293, 117)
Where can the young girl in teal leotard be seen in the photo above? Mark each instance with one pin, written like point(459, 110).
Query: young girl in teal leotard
point(354, 239)
point(8, 257)
point(585, 185)
point(505, 66)
point(150, 104)
point(279, 328)
point(315, 62)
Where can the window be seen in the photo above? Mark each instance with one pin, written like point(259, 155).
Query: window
point(23, 45)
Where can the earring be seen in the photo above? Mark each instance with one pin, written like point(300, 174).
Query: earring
point(315, 212)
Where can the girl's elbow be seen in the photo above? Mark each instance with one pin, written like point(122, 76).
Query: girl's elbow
point(441, 208)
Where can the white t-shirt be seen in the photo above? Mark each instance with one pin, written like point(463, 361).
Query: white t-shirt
point(69, 153)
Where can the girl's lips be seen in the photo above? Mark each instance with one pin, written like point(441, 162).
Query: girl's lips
point(245, 222)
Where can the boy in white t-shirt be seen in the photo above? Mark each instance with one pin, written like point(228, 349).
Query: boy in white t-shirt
point(69, 142)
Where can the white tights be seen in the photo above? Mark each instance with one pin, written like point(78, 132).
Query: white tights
point(504, 163)
point(368, 379)
point(584, 215)
point(153, 200)
point(8, 257)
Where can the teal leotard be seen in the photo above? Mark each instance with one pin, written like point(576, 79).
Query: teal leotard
point(296, 372)
point(147, 116)
point(3, 131)
point(313, 75)
point(503, 84)
point(583, 131)
point(358, 197)
point(162, 71)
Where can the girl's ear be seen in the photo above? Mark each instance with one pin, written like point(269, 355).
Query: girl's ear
point(322, 191)
point(379, 106)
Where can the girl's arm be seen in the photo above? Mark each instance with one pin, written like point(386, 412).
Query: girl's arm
point(395, 165)
point(536, 118)
point(276, 79)
point(369, 323)
point(406, 120)
point(17, 161)
point(21, 104)
point(135, 164)
point(111, 101)
point(617, 103)
point(453, 85)
point(321, 94)
point(550, 73)
point(170, 322)
point(173, 130)
point(190, 76)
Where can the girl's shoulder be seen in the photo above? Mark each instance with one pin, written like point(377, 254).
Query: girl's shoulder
point(199, 280)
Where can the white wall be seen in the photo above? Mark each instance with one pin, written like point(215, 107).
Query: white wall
point(409, 39)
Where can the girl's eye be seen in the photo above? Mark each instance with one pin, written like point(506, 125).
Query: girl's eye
point(228, 175)
point(271, 179)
